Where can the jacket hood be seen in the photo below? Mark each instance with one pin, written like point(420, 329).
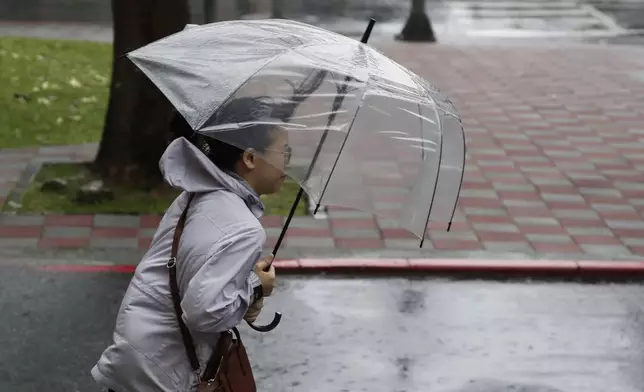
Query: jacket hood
point(185, 167)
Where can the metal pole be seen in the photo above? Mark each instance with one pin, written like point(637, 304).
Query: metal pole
point(418, 26)
point(418, 6)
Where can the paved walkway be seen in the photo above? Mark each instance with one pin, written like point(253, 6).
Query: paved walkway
point(57, 30)
point(555, 142)
point(555, 164)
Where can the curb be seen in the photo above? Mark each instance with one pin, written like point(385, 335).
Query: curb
point(562, 269)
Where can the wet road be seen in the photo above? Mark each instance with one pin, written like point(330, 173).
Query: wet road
point(356, 335)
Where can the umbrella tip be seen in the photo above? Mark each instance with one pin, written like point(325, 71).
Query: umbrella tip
point(449, 226)
point(367, 33)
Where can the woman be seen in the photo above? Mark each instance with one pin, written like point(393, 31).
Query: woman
point(220, 274)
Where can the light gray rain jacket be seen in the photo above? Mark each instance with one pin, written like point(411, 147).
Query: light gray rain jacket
point(221, 242)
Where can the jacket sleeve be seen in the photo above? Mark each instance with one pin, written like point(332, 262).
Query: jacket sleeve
point(219, 294)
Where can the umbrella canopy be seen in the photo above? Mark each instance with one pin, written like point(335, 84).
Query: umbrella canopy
point(364, 131)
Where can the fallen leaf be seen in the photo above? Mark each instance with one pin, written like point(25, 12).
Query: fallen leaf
point(21, 97)
point(102, 79)
point(74, 82)
point(13, 204)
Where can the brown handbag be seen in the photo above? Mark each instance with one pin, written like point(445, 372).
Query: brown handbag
point(228, 369)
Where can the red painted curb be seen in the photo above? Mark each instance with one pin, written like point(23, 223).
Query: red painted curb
point(624, 267)
point(554, 267)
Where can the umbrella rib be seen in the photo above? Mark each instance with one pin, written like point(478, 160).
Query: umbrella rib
point(460, 185)
point(431, 203)
point(337, 158)
point(336, 104)
point(422, 139)
point(344, 141)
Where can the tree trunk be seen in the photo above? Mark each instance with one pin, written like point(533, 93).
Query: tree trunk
point(136, 130)
point(418, 27)
point(277, 9)
point(209, 11)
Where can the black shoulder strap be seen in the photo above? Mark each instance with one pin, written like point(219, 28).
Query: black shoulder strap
point(188, 342)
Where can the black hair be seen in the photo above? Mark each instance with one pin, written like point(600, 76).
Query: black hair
point(225, 148)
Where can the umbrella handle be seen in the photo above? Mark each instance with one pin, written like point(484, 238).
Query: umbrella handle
point(269, 327)
point(278, 316)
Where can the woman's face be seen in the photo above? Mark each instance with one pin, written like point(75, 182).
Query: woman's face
point(269, 173)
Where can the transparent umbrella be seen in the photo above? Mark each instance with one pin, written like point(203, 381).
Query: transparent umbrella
point(364, 132)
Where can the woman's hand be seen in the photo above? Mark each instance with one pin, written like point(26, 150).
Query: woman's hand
point(254, 310)
point(266, 277)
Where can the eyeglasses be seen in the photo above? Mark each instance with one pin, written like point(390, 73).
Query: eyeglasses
point(288, 153)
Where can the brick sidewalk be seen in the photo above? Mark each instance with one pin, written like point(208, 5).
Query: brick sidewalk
point(555, 140)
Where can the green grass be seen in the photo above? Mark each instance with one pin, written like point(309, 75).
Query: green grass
point(126, 201)
point(55, 92)
point(52, 92)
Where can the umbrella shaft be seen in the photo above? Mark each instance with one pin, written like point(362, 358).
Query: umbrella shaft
point(300, 193)
point(336, 104)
